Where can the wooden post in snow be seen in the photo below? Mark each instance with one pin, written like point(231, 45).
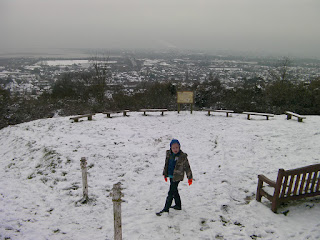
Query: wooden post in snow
point(83, 165)
point(116, 198)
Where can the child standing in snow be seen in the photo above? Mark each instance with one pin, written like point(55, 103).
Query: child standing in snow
point(176, 164)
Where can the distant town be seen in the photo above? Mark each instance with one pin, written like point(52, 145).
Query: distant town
point(31, 76)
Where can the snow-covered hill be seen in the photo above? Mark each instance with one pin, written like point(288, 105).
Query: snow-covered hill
point(41, 178)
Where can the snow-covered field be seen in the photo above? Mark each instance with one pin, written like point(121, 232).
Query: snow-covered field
point(84, 63)
point(41, 177)
point(64, 62)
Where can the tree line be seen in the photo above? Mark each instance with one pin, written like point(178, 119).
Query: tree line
point(79, 93)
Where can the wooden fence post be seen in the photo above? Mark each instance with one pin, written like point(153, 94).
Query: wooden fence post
point(116, 198)
point(83, 165)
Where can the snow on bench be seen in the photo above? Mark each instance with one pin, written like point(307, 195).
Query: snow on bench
point(111, 112)
point(76, 119)
point(267, 115)
point(213, 110)
point(153, 110)
point(290, 114)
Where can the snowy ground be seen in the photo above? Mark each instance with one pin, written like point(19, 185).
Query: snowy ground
point(41, 178)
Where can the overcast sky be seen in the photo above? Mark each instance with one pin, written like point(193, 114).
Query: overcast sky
point(285, 27)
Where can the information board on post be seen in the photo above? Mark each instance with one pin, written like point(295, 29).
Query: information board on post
point(185, 97)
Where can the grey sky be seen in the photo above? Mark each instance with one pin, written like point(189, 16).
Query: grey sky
point(285, 27)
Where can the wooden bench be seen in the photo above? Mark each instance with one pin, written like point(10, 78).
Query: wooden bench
point(225, 111)
point(111, 112)
point(267, 115)
point(76, 119)
point(291, 185)
point(290, 114)
point(153, 110)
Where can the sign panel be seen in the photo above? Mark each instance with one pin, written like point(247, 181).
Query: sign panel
point(185, 97)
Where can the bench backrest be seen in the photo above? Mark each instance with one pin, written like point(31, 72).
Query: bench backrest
point(299, 181)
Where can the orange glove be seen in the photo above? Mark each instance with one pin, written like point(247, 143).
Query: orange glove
point(165, 178)
point(190, 181)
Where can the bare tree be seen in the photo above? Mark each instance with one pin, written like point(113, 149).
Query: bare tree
point(281, 71)
point(101, 76)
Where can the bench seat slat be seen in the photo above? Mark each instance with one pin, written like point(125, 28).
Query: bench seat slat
point(297, 184)
point(313, 182)
point(284, 186)
point(302, 183)
point(290, 185)
point(318, 183)
point(306, 190)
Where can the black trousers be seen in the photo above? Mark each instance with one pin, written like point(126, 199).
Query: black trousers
point(173, 194)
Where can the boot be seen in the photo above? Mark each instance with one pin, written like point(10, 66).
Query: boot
point(162, 211)
point(176, 207)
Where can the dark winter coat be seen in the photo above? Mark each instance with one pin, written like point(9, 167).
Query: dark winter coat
point(182, 166)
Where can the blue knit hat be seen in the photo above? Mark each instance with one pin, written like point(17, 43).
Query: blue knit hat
point(174, 141)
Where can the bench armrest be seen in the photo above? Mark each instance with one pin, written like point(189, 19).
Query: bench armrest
point(267, 180)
